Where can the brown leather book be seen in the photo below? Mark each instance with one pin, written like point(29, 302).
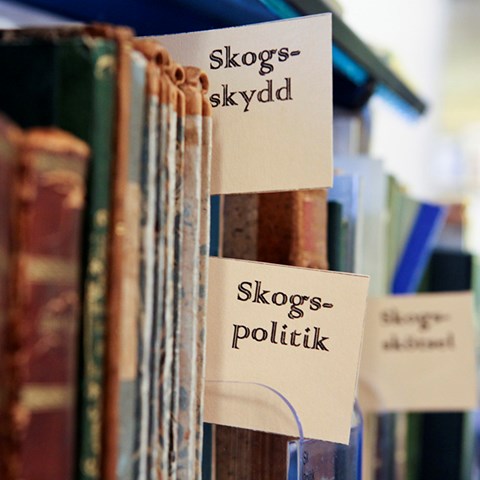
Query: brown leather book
point(10, 137)
point(50, 190)
point(288, 228)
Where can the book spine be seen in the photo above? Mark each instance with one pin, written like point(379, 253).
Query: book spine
point(187, 334)
point(130, 302)
point(95, 262)
point(154, 381)
point(178, 242)
point(207, 129)
point(116, 254)
point(46, 302)
point(309, 243)
point(162, 338)
point(169, 319)
point(147, 256)
point(10, 138)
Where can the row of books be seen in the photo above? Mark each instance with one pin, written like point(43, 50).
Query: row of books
point(105, 149)
point(104, 265)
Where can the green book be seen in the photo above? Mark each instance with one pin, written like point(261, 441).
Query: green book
point(87, 82)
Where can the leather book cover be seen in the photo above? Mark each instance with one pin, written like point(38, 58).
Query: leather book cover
point(51, 196)
point(10, 138)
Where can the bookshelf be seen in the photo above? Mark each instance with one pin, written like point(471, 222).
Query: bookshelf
point(358, 71)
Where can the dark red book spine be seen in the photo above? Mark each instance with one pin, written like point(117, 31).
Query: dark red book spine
point(51, 191)
point(10, 137)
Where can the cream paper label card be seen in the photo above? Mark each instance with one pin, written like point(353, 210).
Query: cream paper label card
point(419, 353)
point(271, 92)
point(292, 331)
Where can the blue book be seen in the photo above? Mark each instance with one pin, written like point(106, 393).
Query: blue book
point(418, 247)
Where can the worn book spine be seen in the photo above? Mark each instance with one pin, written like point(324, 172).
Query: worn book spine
point(178, 241)
point(207, 142)
point(174, 75)
point(186, 339)
point(116, 249)
point(164, 330)
point(87, 83)
point(149, 171)
point(309, 243)
point(51, 192)
point(10, 138)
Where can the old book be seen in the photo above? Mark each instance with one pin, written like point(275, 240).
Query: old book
point(190, 267)
point(10, 138)
point(309, 243)
point(76, 94)
point(51, 190)
point(149, 169)
point(87, 84)
point(207, 131)
point(78, 91)
point(171, 76)
point(175, 75)
point(178, 263)
point(116, 248)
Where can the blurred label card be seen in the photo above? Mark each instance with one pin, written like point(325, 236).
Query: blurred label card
point(419, 353)
point(271, 92)
point(296, 331)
